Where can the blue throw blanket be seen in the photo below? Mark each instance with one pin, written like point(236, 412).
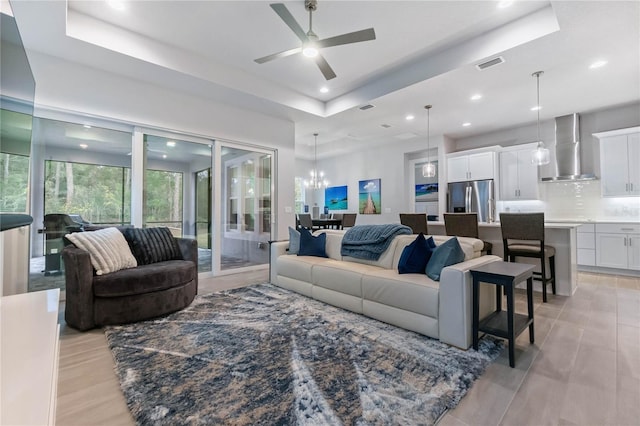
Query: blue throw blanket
point(370, 241)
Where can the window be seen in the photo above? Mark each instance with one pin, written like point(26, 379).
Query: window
point(164, 200)
point(15, 181)
point(299, 195)
point(100, 194)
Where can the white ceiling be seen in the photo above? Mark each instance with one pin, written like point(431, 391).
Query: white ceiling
point(424, 52)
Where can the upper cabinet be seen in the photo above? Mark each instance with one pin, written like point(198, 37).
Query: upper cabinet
point(465, 167)
point(619, 153)
point(518, 174)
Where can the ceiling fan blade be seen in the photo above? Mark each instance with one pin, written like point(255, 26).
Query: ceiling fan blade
point(354, 37)
point(325, 68)
point(288, 19)
point(282, 54)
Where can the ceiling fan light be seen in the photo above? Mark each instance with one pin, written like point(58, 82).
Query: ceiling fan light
point(310, 50)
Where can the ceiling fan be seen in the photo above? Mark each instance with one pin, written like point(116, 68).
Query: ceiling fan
point(310, 42)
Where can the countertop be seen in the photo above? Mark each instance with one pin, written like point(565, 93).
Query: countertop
point(547, 224)
point(581, 221)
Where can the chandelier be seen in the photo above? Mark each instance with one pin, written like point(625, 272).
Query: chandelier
point(539, 156)
point(429, 169)
point(317, 180)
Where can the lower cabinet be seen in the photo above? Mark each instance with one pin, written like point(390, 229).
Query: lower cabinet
point(586, 244)
point(618, 245)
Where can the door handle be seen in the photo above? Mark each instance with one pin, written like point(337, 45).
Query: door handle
point(626, 187)
point(625, 241)
point(631, 187)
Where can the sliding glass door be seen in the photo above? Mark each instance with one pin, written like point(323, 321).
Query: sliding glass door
point(247, 194)
point(174, 195)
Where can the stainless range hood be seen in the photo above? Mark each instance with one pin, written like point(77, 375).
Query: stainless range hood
point(567, 158)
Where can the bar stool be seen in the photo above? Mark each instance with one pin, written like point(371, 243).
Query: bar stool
point(416, 221)
point(464, 225)
point(528, 231)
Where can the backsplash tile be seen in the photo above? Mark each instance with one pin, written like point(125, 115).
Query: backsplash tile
point(577, 201)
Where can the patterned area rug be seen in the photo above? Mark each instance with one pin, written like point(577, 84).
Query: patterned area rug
point(264, 355)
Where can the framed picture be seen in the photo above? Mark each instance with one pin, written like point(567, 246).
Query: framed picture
point(369, 196)
point(335, 198)
point(426, 192)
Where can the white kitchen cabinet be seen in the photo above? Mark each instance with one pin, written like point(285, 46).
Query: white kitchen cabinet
point(586, 244)
point(476, 166)
point(518, 175)
point(618, 245)
point(619, 169)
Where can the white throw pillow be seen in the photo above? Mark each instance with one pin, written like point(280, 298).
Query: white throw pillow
point(109, 250)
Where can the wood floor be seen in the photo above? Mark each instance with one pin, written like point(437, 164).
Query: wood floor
point(583, 369)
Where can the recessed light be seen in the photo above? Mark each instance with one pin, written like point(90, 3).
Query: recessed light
point(467, 124)
point(476, 97)
point(504, 3)
point(171, 144)
point(536, 108)
point(84, 146)
point(409, 117)
point(598, 64)
point(116, 4)
point(164, 155)
point(324, 89)
point(86, 126)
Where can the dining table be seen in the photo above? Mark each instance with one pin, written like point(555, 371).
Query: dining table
point(327, 223)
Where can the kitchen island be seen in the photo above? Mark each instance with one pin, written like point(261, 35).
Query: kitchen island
point(560, 235)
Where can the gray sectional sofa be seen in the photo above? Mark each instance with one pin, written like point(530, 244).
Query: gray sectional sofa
point(441, 310)
point(128, 295)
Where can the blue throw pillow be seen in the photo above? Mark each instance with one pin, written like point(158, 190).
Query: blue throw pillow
point(294, 241)
point(415, 256)
point(312, 246)
point(447, 253)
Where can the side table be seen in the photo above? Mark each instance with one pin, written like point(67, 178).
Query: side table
point(505, 324)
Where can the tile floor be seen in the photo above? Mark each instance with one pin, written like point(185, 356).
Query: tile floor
point(583, 369)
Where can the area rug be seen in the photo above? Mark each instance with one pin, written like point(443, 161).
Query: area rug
point(265, 355)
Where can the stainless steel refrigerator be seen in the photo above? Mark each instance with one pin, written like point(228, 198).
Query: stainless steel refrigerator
point(472, 197)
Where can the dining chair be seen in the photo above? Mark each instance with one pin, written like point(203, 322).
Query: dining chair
point(305, 220)
point(416, 221)
point(464, 225)
point(523, 236)
point(349, 220)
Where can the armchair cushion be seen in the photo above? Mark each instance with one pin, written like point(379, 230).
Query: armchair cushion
point(108, 249)
point(152, 245)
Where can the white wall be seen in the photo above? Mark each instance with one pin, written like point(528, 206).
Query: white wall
point(388, 163)
point(69, 86)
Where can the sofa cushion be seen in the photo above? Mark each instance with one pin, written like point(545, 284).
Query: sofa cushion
point(152, 245)
point(415, 256)
point(294, 241)
point(344, 277)
point(311, 245)
point(298, 267)
point(412, 292)
point(448, 253)
point(107, 247)
point(145, 278)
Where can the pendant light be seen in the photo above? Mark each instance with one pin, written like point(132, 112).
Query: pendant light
point(429, 169)
point(317, 180)
point(539, 156)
